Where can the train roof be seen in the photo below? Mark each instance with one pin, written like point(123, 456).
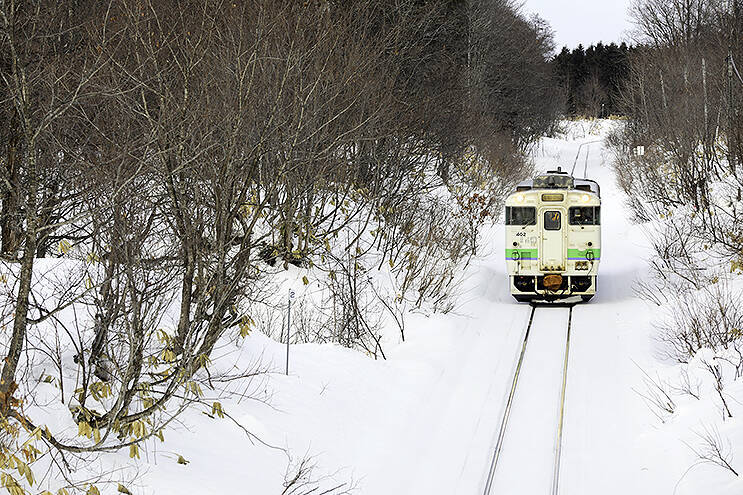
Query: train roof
point(557, 179)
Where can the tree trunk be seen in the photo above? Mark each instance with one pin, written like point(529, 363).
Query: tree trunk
point(9, 213)
point(20, 322)
point(184, 321)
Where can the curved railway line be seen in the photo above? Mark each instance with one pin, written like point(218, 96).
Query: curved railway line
point(577, 155)
point(498, 452)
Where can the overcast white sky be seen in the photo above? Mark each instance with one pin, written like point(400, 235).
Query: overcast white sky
point(584, 21)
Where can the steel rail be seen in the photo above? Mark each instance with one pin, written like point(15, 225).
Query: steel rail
point(561, 421)
point(577, 155)
point(509, 403)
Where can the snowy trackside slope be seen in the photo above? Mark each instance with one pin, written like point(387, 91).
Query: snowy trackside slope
point(424, 421)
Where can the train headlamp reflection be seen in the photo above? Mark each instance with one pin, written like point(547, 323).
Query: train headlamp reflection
point(520, 198)
point(585, 198)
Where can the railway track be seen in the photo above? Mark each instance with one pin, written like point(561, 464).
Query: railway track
point(515, 392)
point(577, 155)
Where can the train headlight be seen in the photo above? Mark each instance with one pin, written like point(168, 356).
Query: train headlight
point(520, 198)
point(585, 198)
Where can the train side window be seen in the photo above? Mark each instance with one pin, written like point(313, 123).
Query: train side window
point(585, 215)
point(552, 220)
point(521, 215)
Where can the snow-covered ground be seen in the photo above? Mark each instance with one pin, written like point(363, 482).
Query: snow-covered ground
point(425, 420)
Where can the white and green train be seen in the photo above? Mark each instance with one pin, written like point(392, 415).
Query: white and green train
point(553, 237)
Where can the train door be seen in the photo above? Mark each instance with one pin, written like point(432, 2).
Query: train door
point(552, 254)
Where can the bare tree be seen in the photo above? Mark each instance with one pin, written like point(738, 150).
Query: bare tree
point(177, 155)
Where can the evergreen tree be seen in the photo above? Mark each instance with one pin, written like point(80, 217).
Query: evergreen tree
point(590, 78)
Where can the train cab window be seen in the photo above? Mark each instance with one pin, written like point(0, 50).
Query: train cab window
point(585, 215)
point(552, 220)
point(521, 215)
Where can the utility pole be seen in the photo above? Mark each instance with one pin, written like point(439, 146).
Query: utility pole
point(731, 113)
point(731, 134)
point(288, 328)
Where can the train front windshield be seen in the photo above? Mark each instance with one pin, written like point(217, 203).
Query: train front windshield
point(521, 215)
point(585, 215)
